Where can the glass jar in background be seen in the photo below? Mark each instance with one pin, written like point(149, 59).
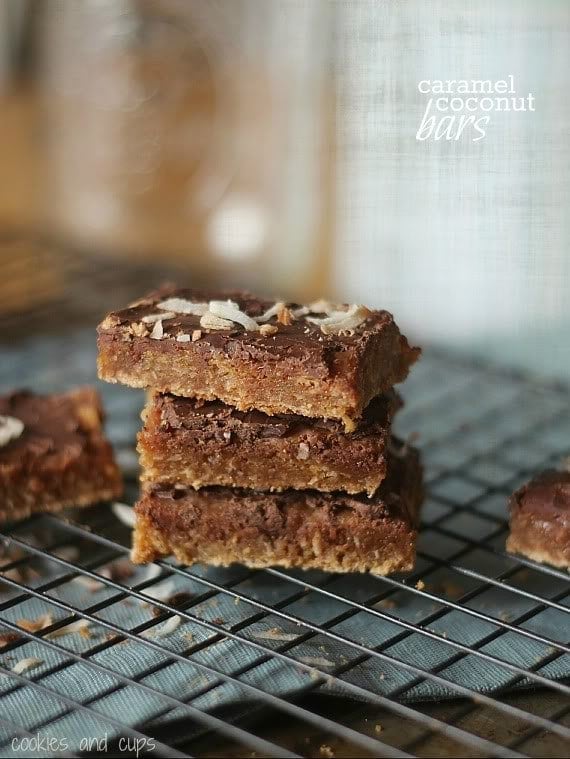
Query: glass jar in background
point(198, 132)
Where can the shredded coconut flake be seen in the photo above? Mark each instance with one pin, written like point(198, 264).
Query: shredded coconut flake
point(162, 631)
point(79, 626)
point(8, 637)
point(124, 513)
point(341, 321)
point(161, 591)
point(228, 309)
point(271, 312)
point(321, 306)
point(285, 316)
point(35, 625)
point(183, 306)
point(152, 318)
point(211, 321)
point(157, 331)
point(274, 634)
point(183, 338)
point(139, 329)
point(24, 665)
point(10, 429)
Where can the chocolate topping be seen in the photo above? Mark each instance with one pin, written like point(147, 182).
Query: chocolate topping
point(192, 414)
point(55, 427)
point(300, 341)
point(547, 494)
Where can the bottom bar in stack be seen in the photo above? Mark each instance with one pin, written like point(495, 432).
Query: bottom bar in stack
point(334, 532)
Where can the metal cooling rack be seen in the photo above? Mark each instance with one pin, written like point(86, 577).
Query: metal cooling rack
point(466, 656)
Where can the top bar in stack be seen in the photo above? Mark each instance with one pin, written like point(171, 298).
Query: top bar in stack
point(321, 360)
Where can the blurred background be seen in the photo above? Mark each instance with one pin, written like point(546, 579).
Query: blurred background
point(272, 144)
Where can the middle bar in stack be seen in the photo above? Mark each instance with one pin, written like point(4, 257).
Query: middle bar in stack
point(200, 443)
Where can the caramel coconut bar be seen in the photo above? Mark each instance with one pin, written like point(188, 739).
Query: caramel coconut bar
point(200, 443)
point(335, 532)
point(321, 360)
point(540, 519)
point(53, 453)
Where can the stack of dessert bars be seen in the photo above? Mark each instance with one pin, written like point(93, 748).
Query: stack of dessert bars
point(267, 431)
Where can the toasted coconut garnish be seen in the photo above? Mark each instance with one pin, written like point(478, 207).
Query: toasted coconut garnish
point(152, 318)
point(161, 591)
point(228, 309)
point(24, 665)
point(284, 316)
point(157, 331)
point(341, 321)
point(270, 313)
point(10, 429)
point(34, 625)
point(322, 306)
point(196, 335)
point(110, 321)
point(268, 329)
point(183, 306)
point(138, 329)
point(210, 321)
point(80, 626)
point(224, 314)
point(9, 637)
point(162, 631)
